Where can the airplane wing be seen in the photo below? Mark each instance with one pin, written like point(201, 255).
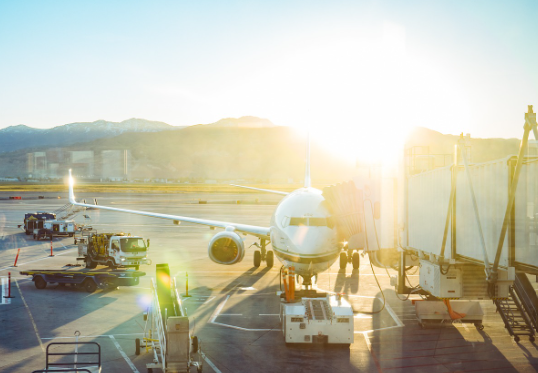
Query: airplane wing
point(261, 190)
point(261, 232)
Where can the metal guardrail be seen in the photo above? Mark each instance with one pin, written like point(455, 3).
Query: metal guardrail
point(62, 370)
point(75, 354)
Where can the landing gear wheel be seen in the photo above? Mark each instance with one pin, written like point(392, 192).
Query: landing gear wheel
point(137, 346)
point(531, 338)
point(40, 283)
point(90, 285)
point(194, 344)
point(343, 260)
point(90, 263)
point(110, 264)
point(356, 260)
point(479, 325)
point(269, 259)
point(516, 338)
point(257, 258)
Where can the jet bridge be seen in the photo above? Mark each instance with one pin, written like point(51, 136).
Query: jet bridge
point(474, 228)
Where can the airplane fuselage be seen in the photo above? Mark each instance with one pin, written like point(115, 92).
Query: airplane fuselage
point(303, 233)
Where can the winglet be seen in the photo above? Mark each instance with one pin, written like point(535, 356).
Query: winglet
point(307, 183)
point(71, 193)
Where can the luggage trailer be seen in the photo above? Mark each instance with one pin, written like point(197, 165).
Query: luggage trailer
point(89, 280)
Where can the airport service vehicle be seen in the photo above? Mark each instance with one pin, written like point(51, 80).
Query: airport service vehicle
point(53, 228)
point(35, 220)
point(89, 280)
point(113, 250)
point(326, 319)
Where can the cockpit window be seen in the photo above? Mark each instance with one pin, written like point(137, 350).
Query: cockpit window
point(299, 221)
point(312, 222)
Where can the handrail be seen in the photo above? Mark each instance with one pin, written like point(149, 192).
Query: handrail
point(161, 333)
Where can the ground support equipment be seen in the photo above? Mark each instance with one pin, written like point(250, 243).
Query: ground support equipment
point(89, 280)
point(326, 320)
point(436, 312)
point(167, 330)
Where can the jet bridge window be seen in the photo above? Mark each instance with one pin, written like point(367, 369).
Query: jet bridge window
point(313, 222)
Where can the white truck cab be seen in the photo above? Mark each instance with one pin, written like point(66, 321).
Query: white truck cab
point(114, 250)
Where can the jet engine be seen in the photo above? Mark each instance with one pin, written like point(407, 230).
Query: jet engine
point(226, 248)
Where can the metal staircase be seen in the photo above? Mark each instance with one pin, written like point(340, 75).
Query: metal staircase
point(67, 211)
point(514, 310)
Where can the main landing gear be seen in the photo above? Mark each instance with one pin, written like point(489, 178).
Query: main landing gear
point(263, 255)
point(352, 257)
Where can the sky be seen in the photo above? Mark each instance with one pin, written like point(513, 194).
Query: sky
point(381, 67)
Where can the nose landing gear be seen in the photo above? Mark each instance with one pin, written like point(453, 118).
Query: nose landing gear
point(352, 257)
point(263, 255)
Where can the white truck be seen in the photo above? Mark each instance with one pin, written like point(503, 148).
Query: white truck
point(113, 250)
point(55, 228)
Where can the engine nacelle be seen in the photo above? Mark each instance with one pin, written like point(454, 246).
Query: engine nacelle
point(226, 248)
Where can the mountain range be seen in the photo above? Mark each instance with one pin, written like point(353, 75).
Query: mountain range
point(247, 148)
point(24, 137)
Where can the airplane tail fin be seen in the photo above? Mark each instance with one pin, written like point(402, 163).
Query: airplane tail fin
point(307, 183)
point(71, 192)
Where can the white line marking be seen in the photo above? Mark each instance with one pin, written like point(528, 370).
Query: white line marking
point(231, 314)
point(217, 314)
point(375, 330)
point(124, 354)
point(219, 308)
point(268, 314)
point(244, 329)
point(37, 260)
point(211, 364)
point(93, 336)
point(31, 317)
point(393, 314)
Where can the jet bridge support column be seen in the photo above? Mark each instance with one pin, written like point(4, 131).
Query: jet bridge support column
point(530, 124)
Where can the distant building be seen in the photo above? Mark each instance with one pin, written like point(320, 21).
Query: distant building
point(115, 164)
point(82, 163)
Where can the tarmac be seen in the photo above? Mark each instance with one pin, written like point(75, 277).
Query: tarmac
point(234, 308)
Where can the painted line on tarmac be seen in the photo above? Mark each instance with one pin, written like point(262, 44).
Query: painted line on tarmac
point(124, 354)
point(93, 336)
point(376, 330)
point(219, 308)
point(37, 260)
point(217, 314)
point(4, 292)
point(31, 317)
point(369, 346)
point(210, 364)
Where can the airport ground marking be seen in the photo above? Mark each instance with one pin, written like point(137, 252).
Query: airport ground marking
point(369, 346)
point(37, 260)
point(31, 317)
point(219, 308)
point(217, 314)
point(95, 336)
point(217, 370)
point(123, 354)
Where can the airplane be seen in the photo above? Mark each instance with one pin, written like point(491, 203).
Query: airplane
point(302, 231)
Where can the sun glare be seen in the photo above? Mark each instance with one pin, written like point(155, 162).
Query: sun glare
point(361, 96)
